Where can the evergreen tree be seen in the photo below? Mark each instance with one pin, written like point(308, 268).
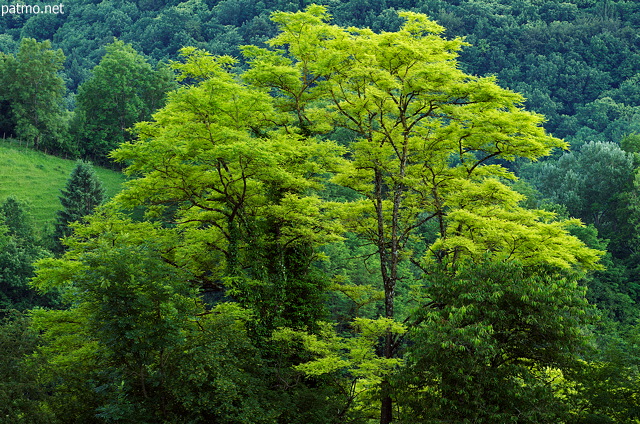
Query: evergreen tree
point(16, 219)
point(81, 195)
point(18, 250)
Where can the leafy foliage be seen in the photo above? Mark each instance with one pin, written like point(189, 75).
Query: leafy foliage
point(136, 342)
point(592, 183)
point(123, 89)
point(356, 160)
point(19, 248)
point(32, 90)
point(20, 391)
point(424, 135)
point(491, 344)
point(214, 166)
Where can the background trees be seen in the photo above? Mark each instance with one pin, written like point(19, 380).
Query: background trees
point(20, 249)
point(32, 91)
point(122, 90)
point(536, 48)
point(592, 183)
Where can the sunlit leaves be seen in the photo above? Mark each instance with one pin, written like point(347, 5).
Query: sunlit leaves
point(215, 156)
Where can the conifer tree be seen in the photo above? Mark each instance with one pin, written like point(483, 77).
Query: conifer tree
point(18, 250)
point(80, 196)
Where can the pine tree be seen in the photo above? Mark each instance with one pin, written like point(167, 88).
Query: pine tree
point(80, 196)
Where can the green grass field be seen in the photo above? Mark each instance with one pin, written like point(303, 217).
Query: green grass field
point(37, 178)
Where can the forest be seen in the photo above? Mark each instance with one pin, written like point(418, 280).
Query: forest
point(347, 211)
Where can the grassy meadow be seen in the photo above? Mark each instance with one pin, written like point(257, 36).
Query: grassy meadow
point(37, 178)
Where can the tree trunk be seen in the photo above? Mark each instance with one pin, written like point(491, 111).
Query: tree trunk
point(386, 406)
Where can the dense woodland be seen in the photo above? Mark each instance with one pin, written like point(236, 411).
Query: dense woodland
point(363, 212)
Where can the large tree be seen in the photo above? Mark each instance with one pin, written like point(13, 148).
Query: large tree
point(231, 219)
point(33, 91)
point(426, 140)
point(229, 174)
point(122, 90)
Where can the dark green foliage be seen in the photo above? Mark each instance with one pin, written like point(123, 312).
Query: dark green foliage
point(563, 56)
point(490, 345)
point(136, 344)
point(607, 383)
point(17, 220)
point(123, 89)
point(18, 250)
point(19, 388)
point(168, 362)
point(32, 90)
point(592, 183)
point(80, 197)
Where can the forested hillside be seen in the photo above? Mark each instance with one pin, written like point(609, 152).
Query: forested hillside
point(576, 62)
point(363, 212)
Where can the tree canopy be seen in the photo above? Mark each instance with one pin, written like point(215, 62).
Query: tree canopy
point(232, 177)
point(123, 89)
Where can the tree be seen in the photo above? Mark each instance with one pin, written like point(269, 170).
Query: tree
point(19, 249)
point(495, 343)
point(34, 89)
point(20, 390)
point(135, 342)
point(426, 139)
point(122, 90)
point(235, 185)
point(593, 183)
point(81, 195)
point(16, 218)
point(229, 172)
point(233, 219)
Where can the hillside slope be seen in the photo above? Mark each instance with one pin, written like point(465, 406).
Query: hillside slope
point(37, 178)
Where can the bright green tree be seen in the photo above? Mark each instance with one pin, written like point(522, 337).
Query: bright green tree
point(122, 90)
point(426, 136)
point(241, 194)
point(215, 165)
point(81, 195)
point(229, 174)
point(230, 214)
